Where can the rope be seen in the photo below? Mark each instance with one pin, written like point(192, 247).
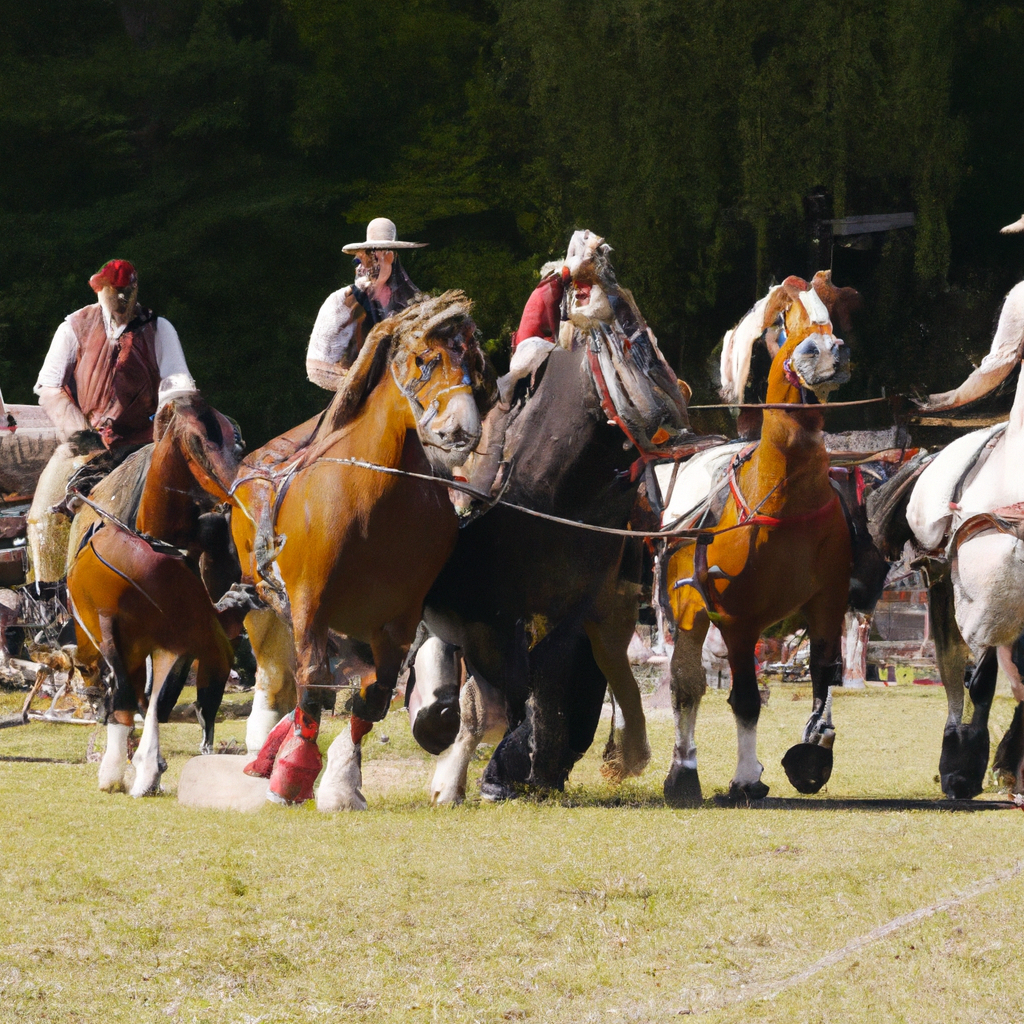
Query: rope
point(792, 405)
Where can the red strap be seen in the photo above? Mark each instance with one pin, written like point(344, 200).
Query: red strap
point(748, 515)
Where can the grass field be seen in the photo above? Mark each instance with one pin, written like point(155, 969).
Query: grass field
point(599, 905)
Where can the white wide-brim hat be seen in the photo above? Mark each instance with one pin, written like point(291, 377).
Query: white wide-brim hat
point(381, 233)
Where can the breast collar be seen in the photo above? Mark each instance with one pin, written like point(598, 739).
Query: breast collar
point(748, 515)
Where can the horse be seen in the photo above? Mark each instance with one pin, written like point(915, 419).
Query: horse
point(543, 611)
point(135, 588)
point(965, 514)
point(349, 531)
point(779, 544)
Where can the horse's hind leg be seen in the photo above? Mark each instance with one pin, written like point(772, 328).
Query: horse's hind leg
point(1009, 758)
point(968, 746)
point(147, 762)
point(682, 786)
point(745, 701)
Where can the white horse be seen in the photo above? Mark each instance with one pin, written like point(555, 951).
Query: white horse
point(961, 513)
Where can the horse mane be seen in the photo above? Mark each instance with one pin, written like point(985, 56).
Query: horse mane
point(441, 315)
point(120, 493)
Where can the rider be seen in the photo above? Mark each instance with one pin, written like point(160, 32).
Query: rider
point(381, 288)
point(109, 366)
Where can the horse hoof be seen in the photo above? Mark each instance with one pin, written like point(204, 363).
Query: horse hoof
point(496, 792)
point(682, 787)
point(963, 761)
point(742, 795)
point(808, 766)
point(372, 704)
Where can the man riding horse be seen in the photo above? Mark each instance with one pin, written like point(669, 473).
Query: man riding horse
point(381, 289)
point(109, 366)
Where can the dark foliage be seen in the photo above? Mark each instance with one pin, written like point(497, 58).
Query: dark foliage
point(229, 148)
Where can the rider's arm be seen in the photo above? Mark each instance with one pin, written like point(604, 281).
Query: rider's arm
point(55, 372)
point(170, 358)
point(336, 339)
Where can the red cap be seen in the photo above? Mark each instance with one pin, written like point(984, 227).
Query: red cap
point(117, 273)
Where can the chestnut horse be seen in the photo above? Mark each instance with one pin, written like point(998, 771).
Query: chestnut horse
point(136, 594)
point(349, 532)
point(780, 544)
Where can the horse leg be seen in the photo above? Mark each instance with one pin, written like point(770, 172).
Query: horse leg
point(967, 780)
point(956, 773)
point(745, 701)
point(682, 786)
point(121, 720)
point(482, 716)
point(628, 751)
point(434, 708)
point(147, 762)
point(274, 693)
point(341, 787)
point(208, 701)
point(1009, 759)
point(808, 764)
point(297, 761)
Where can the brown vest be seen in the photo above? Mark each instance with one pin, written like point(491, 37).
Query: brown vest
point(116, 383)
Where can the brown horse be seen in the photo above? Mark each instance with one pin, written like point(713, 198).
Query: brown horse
point(335, 544)
point(781, 544)
point(136, 594)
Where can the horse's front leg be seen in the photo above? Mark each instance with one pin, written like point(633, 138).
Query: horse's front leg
point(967, 779)
point(745, 701)
point(482, 718)
point(959, 773)
point(148, 764)
point(124, 702)
point(274, 693)
point(341, 788)
point(682, 786)
point(628, 752)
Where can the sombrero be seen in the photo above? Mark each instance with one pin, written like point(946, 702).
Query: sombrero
point(381, 234)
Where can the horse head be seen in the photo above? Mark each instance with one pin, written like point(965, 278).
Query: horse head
point(431, 352)
point(622, 349)
point(810, 358)
point(209, 442)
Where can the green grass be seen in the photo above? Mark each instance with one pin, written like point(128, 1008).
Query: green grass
point(598, 905)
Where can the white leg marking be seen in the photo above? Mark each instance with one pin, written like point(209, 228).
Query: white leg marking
point(146, 761)
point(261, 721)
point(685, 753)
point(115, 758)
point(748, 768)
point(340, 784)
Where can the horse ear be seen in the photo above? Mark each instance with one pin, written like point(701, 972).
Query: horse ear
point(841, 303)
point(162, 420)
point(779, 300)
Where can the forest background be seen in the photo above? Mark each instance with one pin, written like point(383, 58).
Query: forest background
point(229, 148)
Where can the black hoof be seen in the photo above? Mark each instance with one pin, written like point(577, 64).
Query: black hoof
point(496, 792)
point(373, 704)
point(682, 787)
point(436, 727)
point(743, 796)
point(808, 766)
point(963, 761)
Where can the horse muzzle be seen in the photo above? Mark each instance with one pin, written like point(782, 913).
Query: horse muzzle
point(822, 363)
point(452, 434)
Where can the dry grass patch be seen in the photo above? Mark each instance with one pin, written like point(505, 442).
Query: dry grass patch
point(597, 905)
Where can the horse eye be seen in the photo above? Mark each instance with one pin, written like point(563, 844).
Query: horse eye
point(419, 362)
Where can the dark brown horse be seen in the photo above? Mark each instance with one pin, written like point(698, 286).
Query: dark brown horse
point(136, 592)
point(780, 545)
point(333, 544)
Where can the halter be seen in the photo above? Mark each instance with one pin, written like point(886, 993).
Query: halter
point(413, 389)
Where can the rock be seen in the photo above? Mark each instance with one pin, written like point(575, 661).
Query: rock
point(217, 780)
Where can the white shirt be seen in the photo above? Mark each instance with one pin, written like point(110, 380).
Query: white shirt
point(335, 327)
point(59, 364)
